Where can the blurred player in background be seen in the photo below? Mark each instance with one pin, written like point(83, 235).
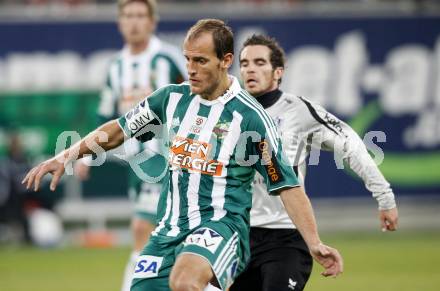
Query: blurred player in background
point(143, 65)
point(13, 196)
point(218, 136)
point(280, 259)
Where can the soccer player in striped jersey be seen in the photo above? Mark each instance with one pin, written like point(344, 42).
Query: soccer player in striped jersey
point(143, 65)
point(218, 137)
point(280, 259)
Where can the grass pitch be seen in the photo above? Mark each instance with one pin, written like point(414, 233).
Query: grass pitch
point(390, 262)
point(383, 262)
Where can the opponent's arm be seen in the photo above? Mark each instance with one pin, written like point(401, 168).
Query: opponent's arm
point(356, 156)
point(339, 137)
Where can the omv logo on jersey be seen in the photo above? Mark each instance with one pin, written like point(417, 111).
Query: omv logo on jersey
point(139, 117)
point(147, 266)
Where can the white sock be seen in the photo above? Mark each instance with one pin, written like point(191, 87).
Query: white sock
point(129, 270)
point(211, 288)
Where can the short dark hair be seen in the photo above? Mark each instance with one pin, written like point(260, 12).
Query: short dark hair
point(222, 35)
point(277, 55)
point(151, 4)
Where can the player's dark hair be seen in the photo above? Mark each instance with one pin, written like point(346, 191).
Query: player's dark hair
point(222, 35)
point(277, 55)
point(151, 4)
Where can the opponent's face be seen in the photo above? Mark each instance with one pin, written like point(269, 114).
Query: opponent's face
point(205, 69)
point(135, 23)
point(256, 71)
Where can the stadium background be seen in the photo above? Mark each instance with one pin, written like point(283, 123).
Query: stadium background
point(376, 64)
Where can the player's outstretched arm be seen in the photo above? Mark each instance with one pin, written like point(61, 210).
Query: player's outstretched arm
point(106, 137)
point(340, 138)
point(359, 160)
point(300, 210)
point(355, 154)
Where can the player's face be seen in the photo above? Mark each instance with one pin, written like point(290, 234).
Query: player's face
point(256, 71)
point(135, 23)
point(204, 68)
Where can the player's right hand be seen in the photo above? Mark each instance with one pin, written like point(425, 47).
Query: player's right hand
point(82, 171)
point(329, 258)
point(389, 219)
point(53, 166)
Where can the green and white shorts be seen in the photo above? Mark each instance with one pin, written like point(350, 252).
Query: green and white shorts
point(213, 240)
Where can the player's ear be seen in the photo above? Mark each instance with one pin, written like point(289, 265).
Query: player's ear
point(226, 62)
point(278, 73)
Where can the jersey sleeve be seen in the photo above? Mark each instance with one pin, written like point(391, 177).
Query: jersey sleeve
point(272, 163)
point(337, 136)
point(146, 119)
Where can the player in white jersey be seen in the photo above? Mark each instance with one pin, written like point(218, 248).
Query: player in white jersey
point(218, 136)
point(279, 256)
point(143, 65)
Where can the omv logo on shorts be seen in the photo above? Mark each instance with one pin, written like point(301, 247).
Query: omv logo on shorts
point(147, 266)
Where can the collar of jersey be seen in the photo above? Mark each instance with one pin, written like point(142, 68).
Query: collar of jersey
point(270, 98)
point(232, 91)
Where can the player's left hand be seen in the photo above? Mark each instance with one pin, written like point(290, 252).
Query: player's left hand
point(329, 258)
point(388, 219)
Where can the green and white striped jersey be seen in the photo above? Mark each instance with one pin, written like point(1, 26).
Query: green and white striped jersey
point(214, 149)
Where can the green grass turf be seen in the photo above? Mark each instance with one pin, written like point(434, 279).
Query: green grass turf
point(383, 262)
point(389, 262)
point(69, 269)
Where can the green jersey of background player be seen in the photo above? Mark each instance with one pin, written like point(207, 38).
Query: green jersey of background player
point(218, 136)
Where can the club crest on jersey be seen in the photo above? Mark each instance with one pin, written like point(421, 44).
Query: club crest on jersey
point(270, 164)
point(221, 129)
point(193, 155)
point(147, 266)
point(205, 238)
